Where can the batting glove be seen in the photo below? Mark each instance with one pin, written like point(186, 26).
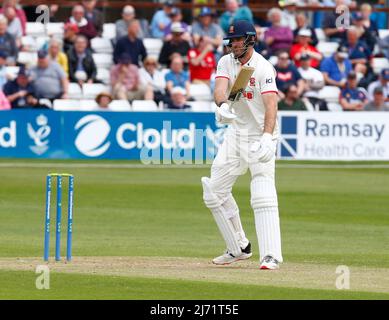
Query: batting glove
point(264, 149)
point(224, 114)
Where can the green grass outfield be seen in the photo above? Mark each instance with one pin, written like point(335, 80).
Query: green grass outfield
point(144, 233)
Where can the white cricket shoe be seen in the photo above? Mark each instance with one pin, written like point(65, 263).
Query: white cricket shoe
point(228, 258)
point(269, 263)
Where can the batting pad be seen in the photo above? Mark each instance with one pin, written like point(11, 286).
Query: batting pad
point(225, 225)
point(263, 193)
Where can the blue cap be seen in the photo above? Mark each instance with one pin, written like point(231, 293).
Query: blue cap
point(240, 28)
point(385, 73)
point(42, 54)
point(205, 11)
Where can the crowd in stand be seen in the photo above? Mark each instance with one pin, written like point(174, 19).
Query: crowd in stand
point(189, 55)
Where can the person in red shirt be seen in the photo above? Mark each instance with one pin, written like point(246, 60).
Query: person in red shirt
point(202, 62)
point(303, 46)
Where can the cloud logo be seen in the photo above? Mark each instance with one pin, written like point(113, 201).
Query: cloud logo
point(92, 135)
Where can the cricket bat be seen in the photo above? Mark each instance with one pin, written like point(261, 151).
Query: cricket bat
point(240, 83)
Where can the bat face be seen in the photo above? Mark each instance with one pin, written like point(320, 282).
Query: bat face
point(241, 82)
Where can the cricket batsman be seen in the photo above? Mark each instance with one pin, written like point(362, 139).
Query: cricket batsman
point(249, 143)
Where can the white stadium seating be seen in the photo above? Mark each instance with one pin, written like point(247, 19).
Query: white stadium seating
point(321, 36)
point(103, 75)
point(379, 63)
point(91, 90)
point(153, 46)
point(200, 106)
point(120, 105)
point(327, 48)
point(35, 29)
point(29, 59)
point(109, 31)
point(101, 45)
point(74, 91)
point(383, 33)
point(66, 105)
point(330, 94)
point(144, 105)
point(103, 60)
point(200, 92)
point(55, 29)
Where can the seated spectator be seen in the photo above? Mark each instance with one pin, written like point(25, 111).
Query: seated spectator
point(289, 14)
point(302, 23)
point(178, 100)
point(176, 45)
point(82, 67)
point(93, 15)
point(4, 103)
point(359, 54)
point(368, 23)
point(103, 100)
point(336, 68)
point(303, 47)
point(17, 90)
point(287, 74)
point(291, 102)
point(151, 77)
point(352, 98)
point(130, 44)
point(260, 46)
point(314, 82)
point(365, 35)
point(85, 27)
point(177, 77)
point(160, 20)
point(206, 28)
point(383, 81)
point(332, 32)
point(7, 42)
point(277, 37)
point(128, 14)
point(19, 12)
point(125, 80)
point(3, 69)
point(378, 103)
point(234, 12)
point(50, 81)
point(33, 103)
point(176, 18)
point(14, 25)
point(56, 54)
point(70, 35)
point(202, 62)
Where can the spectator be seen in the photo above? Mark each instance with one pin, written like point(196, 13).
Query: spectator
point(82, 68)
point(303, 46)
point(260, 45)
point(380, 17)
point(364, 34)
point(178, 101)
point(4, 103)
point(131, 45)
point(351, 97)
point(125, 80)
point(302, 23)
point(287, 74)
point(33, 102)
point(128, 14)
point(50, 81)
point(383, 82)
point(56, 54)
point(103, 100)
point(17, 90)
point(53, 12)
point(160, 20)
point(176, 45)
point(289, 14)
point(378, 103)
point(336, 68)
point(14, 25)
point(277, 37)
point(151, 77)
point(19, 12)
point(234, 13)
point(93, 15)
point(3, 69)
point(70, 35)
point(177, 77)
point(7, 42)
point(359, 54)
point(176, 17)
point(202, 62)
point(314, 82)
point(368, 23)
point(332, 32)
point(85, 27)
point(291, 102)
point(206, 28)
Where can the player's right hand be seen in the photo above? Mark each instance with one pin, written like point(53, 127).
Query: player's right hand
point(224, 115)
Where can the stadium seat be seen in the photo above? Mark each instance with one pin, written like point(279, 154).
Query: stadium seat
point(383, 33)
point(153, 46)
point(29, 59)
point(200, 106)
point(109, 31)
point(273, 60)
point(35, 29)
point(91, 90)
point(103, 60)
point(29, 44)
point(321, 36)
point(101, 45)
point(330, 94)
point(75, 91)
point(103, 75)
point(379, 63)
point(120, 105)
point(336, 107)
point(327, 48)
point(42, 42)
point(66, 105)
point(11, 72)
point(200, 92)
point(55, 29)
point(88, 105)
point(144, 105)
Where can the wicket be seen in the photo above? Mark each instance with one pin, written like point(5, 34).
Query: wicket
point(59, 177)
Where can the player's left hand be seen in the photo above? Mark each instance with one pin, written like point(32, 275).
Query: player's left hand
point(264, 149)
